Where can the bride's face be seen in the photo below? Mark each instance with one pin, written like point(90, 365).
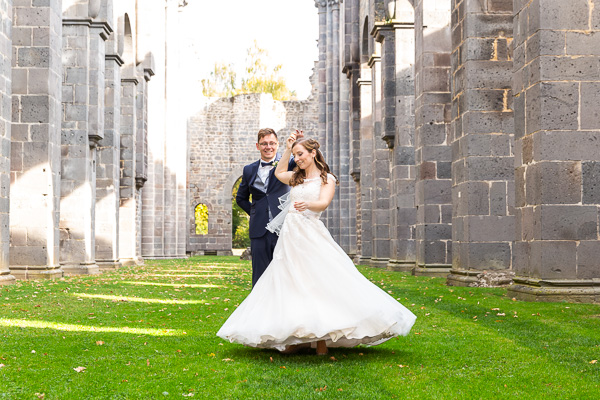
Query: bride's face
point(303, 157)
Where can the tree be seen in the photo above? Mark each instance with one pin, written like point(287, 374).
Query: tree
point(258, 77)
point(221, 82)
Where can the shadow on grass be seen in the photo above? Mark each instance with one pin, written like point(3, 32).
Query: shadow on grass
point(309, 357)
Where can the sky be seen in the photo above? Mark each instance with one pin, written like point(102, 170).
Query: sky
point(223, 30)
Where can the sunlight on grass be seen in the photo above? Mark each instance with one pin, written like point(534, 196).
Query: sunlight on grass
point(212, 269)
point(135, 299)
point(177, 285)
point(23, 323)
point(216, 275)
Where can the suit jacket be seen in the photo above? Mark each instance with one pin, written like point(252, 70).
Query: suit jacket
point(262, 202)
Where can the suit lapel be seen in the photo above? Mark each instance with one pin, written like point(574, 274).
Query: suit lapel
point(253, 172)
point(272, 173)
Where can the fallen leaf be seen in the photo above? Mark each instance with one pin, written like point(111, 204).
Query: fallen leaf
point(99, 343)
point(2, 365)
point(79, 369)
point(271, 359)
point(593, 361)
point(332, 358)
point(40, 395)
point(227, 359)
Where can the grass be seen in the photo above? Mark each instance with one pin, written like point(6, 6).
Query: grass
point(149, 333)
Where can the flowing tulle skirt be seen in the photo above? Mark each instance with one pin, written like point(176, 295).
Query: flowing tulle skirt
point(312, 291)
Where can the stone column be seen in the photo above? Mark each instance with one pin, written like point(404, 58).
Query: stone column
point(141, 164)
point(352, 70)
point(322, 70)
point(366, 168)
point(433, 150)
point(5, 128)
point(482, 158)
point(398, 40)
point(35, 140)
point(128, 190)
point(557, 130)
point(107, 168)
point(80, 135)
point(380, 193)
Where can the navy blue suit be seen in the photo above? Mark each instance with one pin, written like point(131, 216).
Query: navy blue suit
point(262, 242)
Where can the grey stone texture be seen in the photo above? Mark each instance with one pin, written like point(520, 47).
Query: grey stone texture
point(433, 154)
point(482, 159)
point(233, 121)
point(555, 87)
point(36, 150)
point(77, 140)
point(5, 137)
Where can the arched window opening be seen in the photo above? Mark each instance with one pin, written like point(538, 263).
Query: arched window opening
point(240, 238)
point(201, 216)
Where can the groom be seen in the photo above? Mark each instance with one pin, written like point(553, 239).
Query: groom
point(259, 181)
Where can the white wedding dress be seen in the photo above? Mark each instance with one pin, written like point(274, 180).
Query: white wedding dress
point(312, 291)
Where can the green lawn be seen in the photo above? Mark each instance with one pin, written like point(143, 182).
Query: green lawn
point(149, 333)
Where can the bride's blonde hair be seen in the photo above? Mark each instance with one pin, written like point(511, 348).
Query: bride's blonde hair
point(299, 174)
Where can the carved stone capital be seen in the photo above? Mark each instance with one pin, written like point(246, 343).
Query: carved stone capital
point(320, 3)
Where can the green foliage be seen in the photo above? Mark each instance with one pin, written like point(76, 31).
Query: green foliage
point(466, 344)
point(240, 222)
point(201, 217)
point(259, 77)
point(221, 82)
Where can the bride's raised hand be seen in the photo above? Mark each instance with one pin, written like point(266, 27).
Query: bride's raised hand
point(290, 141)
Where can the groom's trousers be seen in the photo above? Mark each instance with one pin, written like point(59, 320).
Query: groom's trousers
point(262, 254)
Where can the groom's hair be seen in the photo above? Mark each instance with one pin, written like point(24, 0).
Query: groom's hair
point(265, 132)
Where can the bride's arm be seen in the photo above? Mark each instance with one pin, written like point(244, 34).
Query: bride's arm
point(281, 171)
point(325, 197)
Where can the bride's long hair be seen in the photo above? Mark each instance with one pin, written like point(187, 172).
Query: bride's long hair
point(300, 174)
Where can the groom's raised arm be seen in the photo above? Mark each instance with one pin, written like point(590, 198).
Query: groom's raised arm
point(243, 195)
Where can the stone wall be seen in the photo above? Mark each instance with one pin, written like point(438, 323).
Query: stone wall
point(78, 77)
point(5, 135)
point(442, 186)
point(223, 137)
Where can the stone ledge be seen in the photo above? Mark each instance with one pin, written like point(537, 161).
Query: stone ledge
point(80, 269)
point(439, 270)
point(7, 279)
point(379, 262)
point(400, 266)
point(572, 291)
point(459, 277)
point(25, 272)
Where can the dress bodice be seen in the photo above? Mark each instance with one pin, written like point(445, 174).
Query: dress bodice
point(309, 190)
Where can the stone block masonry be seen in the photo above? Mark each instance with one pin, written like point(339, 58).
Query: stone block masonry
point(5, 137)
point(233, 124)
point(482, 156)
point(555, 87)
point(36, 140)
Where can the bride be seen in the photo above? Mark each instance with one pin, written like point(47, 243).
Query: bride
point(312, 295)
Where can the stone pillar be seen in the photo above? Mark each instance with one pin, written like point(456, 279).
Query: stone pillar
point(380, 193)
point(557, 130)
point(366, 168)
point(35, 140)
point(80, 135)
point(128, 190)
point(352, 70)
point(397, 37)
point(433, 150)
point(107, 168)
point(322, 71)
point(482, 158)
point(146, 69)
point(5, 128)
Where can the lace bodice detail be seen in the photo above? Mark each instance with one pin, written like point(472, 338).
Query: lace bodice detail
point(309, 190)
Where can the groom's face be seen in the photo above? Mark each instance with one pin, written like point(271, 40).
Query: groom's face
point(268, 146)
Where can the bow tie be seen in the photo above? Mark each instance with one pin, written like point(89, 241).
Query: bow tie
point(264, 164)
